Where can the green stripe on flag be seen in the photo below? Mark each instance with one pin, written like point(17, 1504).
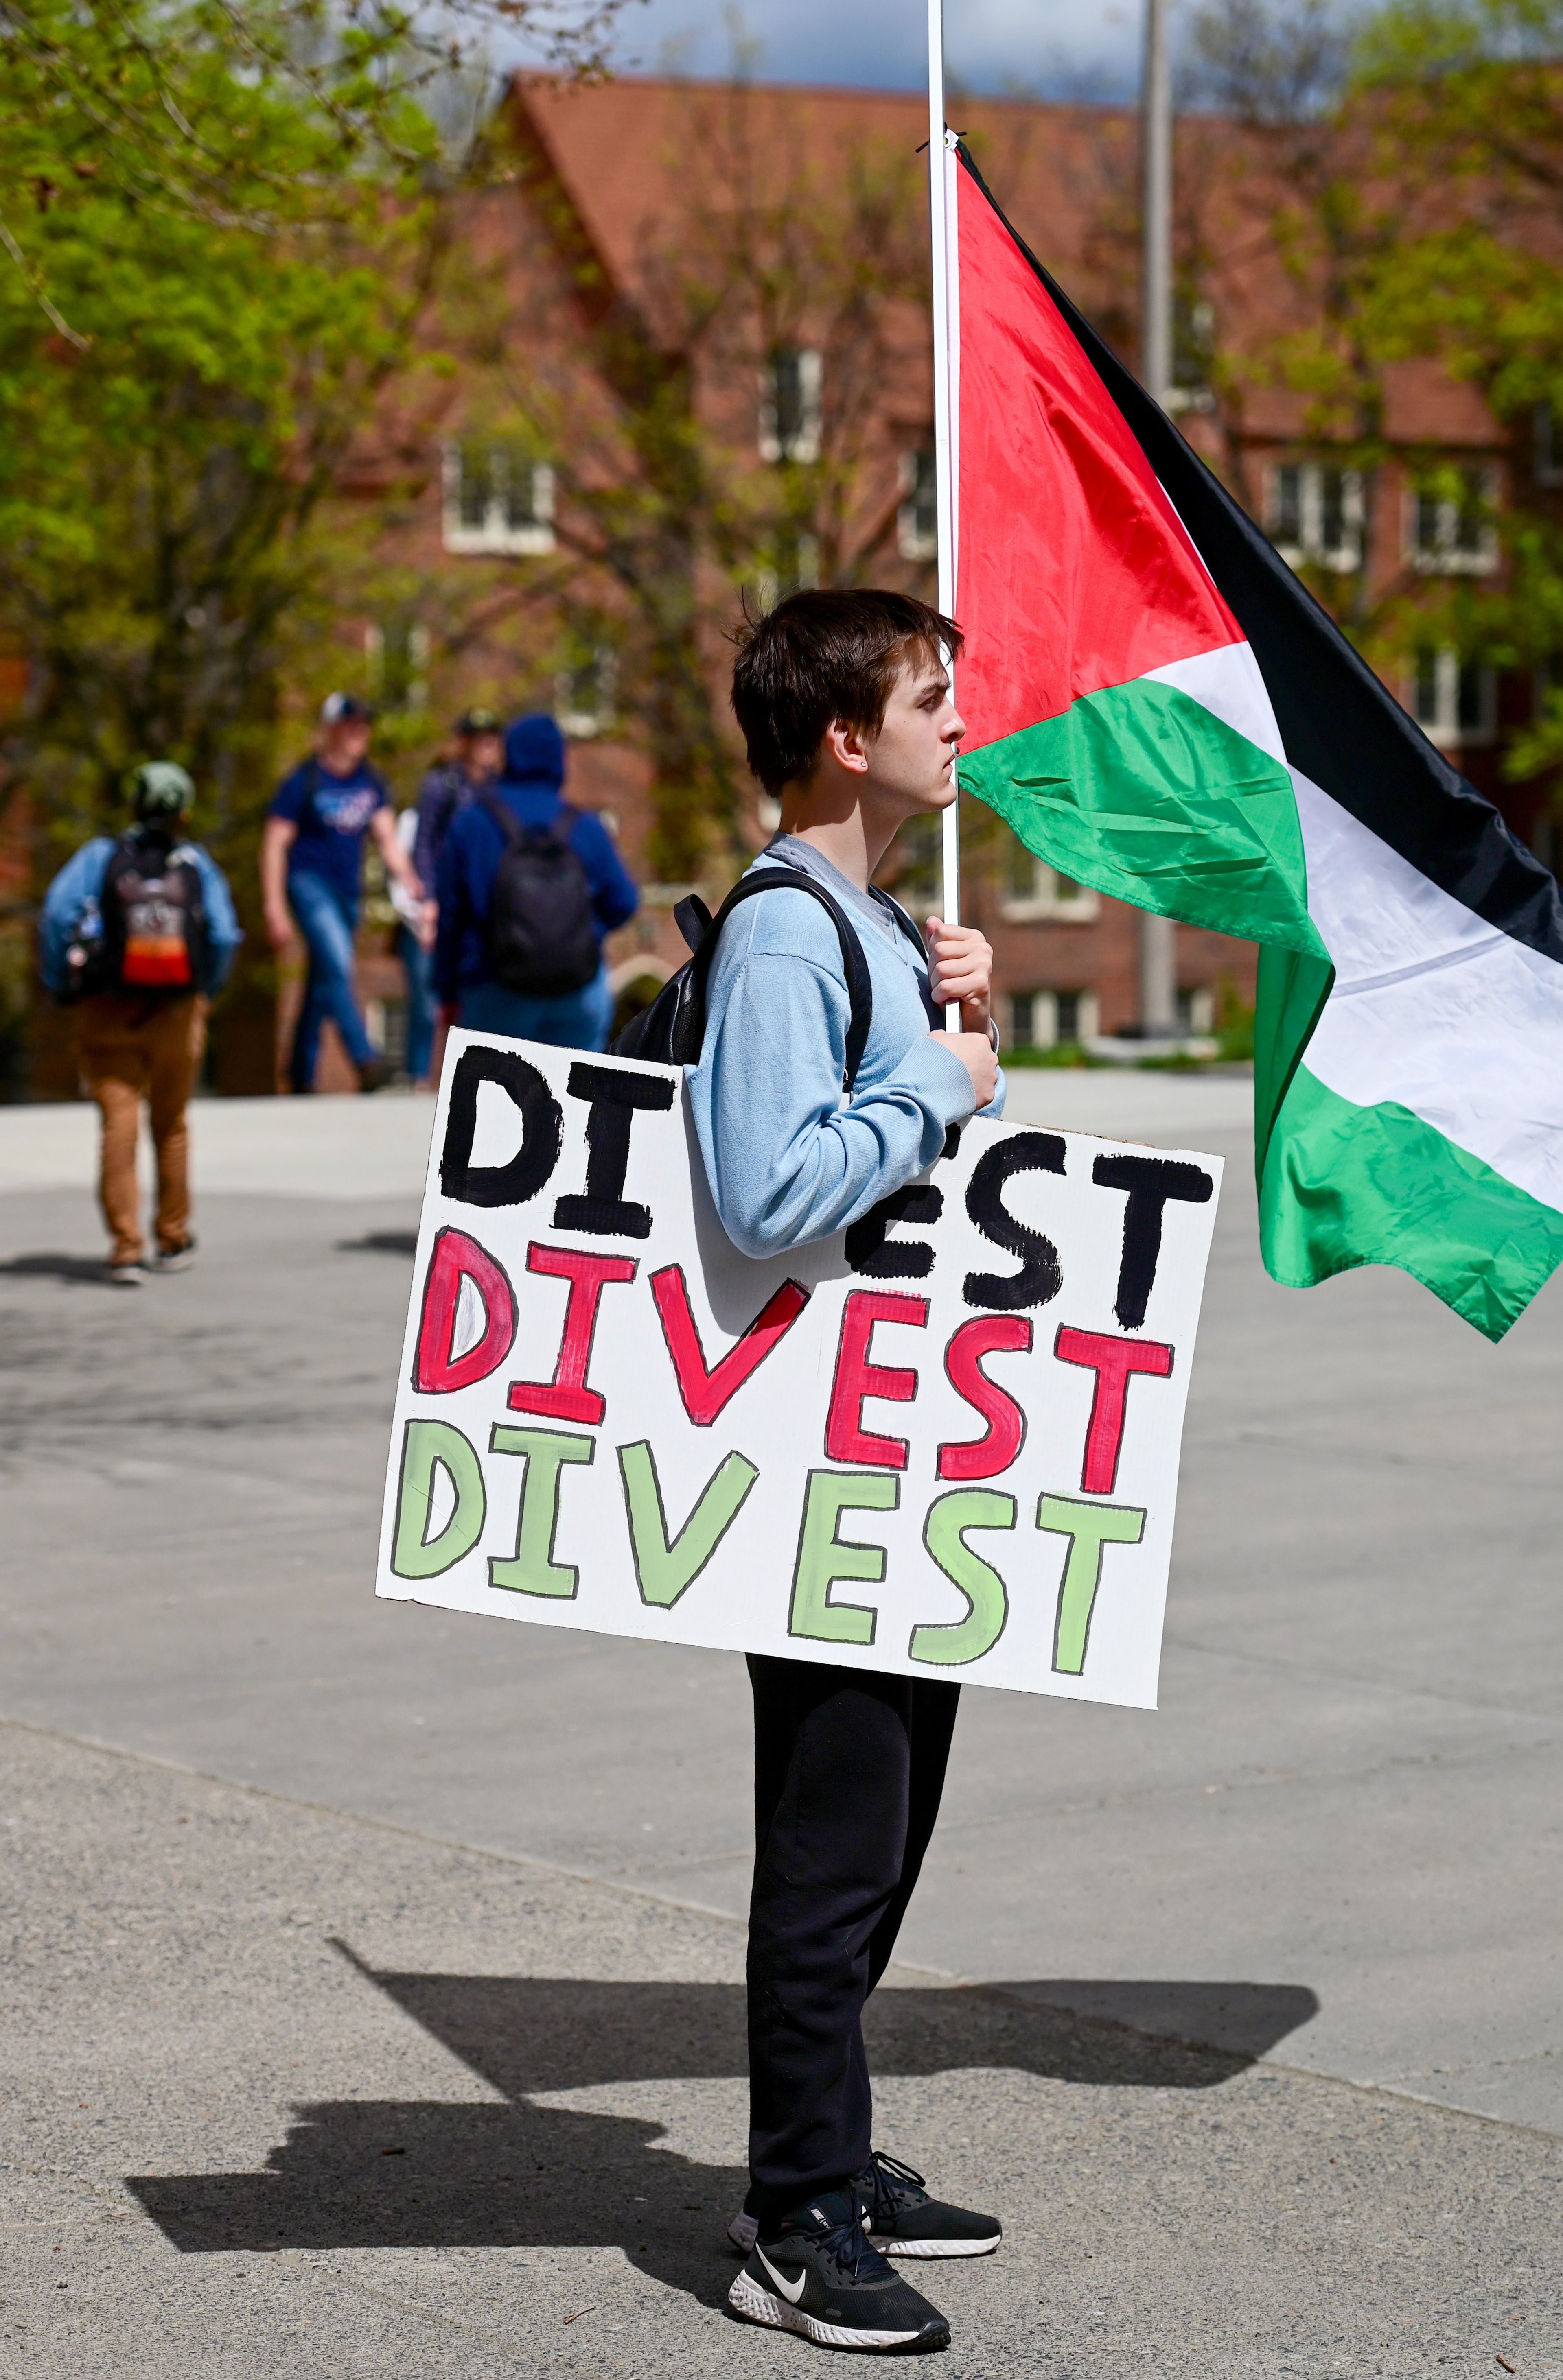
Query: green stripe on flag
point(1345, 1185)
point(1143, 793)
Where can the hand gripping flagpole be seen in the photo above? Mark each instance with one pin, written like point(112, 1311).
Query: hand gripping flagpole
point(940, 192)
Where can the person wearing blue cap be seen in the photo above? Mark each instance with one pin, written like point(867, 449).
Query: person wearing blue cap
point(311, 854)
point(528, 887)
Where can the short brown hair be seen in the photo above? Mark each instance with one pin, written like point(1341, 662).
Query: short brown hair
point(828, 653)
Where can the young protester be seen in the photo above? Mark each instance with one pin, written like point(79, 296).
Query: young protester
point(528, 888)
point(139, 933)
point(472, 760)
point(311, 857)
point(845, 702)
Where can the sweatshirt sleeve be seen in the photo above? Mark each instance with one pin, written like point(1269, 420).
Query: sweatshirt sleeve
point(614, 897)
point(221, 926)
point(787, 1161)
point(81, 879)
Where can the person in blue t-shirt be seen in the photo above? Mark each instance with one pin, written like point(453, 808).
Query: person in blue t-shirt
point(534, 772)
point(311, 854)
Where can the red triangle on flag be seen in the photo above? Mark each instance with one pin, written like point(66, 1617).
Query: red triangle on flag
point(1073, 572)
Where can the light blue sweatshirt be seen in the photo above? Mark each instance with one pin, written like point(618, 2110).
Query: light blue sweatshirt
point(788, 1160)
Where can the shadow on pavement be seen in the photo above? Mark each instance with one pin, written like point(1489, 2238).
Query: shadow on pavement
point(381, 1244)
point(367, 2174)
point(53, 1265)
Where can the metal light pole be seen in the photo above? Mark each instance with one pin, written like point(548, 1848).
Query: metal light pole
point(1158, 965)
point(940, 227)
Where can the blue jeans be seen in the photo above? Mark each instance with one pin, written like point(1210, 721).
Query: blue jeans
point(326, 922)
point(576, 1020)
point(418, 966)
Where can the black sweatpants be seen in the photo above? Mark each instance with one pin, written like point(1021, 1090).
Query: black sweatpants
point(849, 1767)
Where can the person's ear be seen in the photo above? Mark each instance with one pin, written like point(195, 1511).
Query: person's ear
point(846, 746)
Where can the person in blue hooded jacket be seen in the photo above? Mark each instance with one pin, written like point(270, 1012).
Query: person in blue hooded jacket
point(531, 790)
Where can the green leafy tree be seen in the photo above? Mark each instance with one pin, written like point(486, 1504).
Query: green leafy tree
point(666, 515)
point(223, 229)
point(1470, 101)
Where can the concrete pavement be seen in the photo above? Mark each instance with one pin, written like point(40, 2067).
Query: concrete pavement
point(290, 2092)
point(1335, 1847)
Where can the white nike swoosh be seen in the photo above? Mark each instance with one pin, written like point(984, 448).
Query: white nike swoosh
point(792, 2291)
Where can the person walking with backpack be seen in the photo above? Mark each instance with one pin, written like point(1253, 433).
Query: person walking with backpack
point(137, 934)
point(528, 888)
point(311, 857)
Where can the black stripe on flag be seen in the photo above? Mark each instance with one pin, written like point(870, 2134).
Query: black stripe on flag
point(1339, 724)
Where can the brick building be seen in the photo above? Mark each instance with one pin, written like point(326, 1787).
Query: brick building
point(602, 196)
point(577, 267)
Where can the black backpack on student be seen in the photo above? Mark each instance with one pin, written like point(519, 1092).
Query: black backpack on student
point(154, 919)
point(671, 1032)
point(540, 935)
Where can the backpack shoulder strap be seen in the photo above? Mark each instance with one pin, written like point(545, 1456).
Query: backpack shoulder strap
point(860, 988)
point(504, 817)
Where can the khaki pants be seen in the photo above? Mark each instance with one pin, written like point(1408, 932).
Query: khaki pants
point(133, 1050)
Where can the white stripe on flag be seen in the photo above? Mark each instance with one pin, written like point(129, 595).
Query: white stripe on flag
point(1228, 683)
point(1432, 1008)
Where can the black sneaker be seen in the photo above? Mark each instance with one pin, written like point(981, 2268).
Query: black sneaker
point(178, 1259)
point(902, 2220)
point(819, 2276)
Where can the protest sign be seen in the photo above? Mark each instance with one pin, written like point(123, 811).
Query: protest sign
point(944, 1442)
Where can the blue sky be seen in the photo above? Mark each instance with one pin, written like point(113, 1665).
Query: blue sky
point(1046, 46)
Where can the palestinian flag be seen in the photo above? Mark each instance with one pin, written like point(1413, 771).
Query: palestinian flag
point(1159, 709)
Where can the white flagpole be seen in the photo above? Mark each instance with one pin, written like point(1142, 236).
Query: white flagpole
point(938, 217)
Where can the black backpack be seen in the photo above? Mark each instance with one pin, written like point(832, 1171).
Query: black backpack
point(540, 935)
point(154, 944)
point(671, 1032)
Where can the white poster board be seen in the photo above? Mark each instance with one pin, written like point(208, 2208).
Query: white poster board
point(944, 1443)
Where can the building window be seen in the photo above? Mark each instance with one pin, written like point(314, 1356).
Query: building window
point(917, 522)
point(1048, 1020)
point(1193, 348)
point(1454, 701)
point(789, 406)
point(397, 654)
point(1455, 532)
point(1546, 446)
point(796, 563)
point(498, 500)
point(1195, 1012)
point(1315, 515)
point(914, 866)
point(1031, 892)
point(583, 695)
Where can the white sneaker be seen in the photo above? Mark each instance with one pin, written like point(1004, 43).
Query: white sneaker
point(127, 1276)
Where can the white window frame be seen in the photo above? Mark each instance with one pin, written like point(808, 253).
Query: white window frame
point(1200, 1005)
point(581, 726)
point(805, 445)
point(416, 661)
point(912, 544)
point(1310, 508)
point(1044, 904)
point(806, 575)
point(1443, 558)
point(496, 534)
point(1443, 727)
point(1044, 1019)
